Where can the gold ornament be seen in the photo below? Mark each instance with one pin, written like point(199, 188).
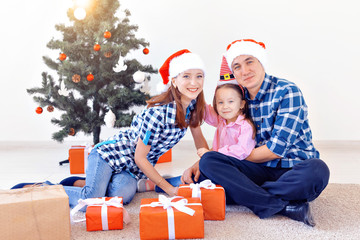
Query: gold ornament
point(50, 108)
point(76, 78)
point(71, 132)
point(108, 54)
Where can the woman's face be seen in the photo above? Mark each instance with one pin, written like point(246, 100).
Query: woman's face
point(190, 84)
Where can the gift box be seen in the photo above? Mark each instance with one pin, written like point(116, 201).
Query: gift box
point(166, 157)
point(212, 198)
point(39, 212)
point(171, 218)
point(78, 158)
point(102, 213)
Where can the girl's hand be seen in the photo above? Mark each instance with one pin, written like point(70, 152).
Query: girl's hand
point(202, 151)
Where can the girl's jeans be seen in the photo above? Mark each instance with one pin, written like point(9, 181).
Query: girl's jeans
point(101, 181)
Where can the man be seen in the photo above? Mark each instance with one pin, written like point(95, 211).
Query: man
point(283, 173)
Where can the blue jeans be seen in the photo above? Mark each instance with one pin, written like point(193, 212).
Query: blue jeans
point(264, 190)
point(101, 181)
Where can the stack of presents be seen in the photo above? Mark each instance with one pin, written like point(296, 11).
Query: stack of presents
point(43, 212)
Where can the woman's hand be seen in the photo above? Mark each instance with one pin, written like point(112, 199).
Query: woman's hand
point(173, 192)
point(194, 170)
point(202, 151)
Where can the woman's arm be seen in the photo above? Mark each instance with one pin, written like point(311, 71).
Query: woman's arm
point(145, 166)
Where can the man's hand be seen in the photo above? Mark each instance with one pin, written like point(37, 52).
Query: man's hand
point(202, 151)
point(194, 170)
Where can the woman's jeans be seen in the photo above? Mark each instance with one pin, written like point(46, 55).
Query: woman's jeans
point(101, 181)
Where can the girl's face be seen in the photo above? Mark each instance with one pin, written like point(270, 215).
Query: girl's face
point(228, 104)
point(190, 84)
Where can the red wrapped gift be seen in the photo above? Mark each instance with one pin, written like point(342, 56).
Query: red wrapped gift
point(212, 198)
point(171, 218)
point(78, 158)
point(166, 157)
point(102, 213)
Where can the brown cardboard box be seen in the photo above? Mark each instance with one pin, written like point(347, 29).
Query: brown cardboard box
point(40, 212)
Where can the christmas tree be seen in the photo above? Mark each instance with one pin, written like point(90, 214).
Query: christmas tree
point(94, 80)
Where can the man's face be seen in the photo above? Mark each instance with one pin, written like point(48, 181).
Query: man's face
point(248, 72)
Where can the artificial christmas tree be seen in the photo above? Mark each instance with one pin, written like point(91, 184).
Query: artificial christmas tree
point(88, 87)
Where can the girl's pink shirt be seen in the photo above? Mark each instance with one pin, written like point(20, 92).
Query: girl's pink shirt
point(233, 139)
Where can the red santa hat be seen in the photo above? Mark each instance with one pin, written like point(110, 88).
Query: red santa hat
point(246, 47)
point(179, 62)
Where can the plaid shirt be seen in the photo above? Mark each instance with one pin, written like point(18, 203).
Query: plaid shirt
point(155, 126)
point(280, 114)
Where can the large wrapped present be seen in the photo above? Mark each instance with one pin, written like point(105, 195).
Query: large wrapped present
point(166, 157)
point(78, 156)
point(105, 213)
point(212, 198)
point(171, 218)
point(39, 212)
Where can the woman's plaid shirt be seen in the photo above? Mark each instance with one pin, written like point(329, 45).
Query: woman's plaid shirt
point(155, 126)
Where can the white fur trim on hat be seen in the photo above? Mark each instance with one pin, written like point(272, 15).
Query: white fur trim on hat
point(246, 48)
point(185, 62)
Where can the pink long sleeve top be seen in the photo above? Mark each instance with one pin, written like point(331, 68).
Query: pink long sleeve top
point(233, 139)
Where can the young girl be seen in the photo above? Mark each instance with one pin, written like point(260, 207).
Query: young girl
point(115, 166)
point(235, 131)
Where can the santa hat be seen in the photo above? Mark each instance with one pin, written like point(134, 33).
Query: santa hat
point(226, 76)
point(179, 62)
point(246, 47)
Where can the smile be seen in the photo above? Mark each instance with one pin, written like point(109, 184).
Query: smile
point(192, 89)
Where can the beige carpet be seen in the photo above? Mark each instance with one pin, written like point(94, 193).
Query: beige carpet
point(336, 213)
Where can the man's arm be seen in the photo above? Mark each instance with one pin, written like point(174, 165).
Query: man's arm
point(261, 154)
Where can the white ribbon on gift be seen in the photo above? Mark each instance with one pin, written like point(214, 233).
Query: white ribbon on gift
point(196, 191)
point(115, 202)
point(167, 204)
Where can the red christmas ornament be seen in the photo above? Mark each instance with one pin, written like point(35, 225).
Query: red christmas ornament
point(146, 51)
point(97, 47)
point(107, 34)
point(62, 56)
point(90, 77)
point(39, 110)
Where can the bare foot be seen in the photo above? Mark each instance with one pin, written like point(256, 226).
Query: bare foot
point(79, 183)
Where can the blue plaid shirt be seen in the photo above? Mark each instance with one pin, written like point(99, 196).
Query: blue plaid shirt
point(280, 114)
point(155, 126)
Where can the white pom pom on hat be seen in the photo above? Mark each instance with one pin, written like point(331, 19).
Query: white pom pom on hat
point(179, 62)
point(246, 47)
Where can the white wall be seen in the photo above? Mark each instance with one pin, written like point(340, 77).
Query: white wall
point(313, 43)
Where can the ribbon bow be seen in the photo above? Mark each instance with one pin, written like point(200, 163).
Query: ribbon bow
point(196, 192)
point(115, 202)
point(167, 203)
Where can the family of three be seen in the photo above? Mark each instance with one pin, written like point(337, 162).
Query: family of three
point(262, 152)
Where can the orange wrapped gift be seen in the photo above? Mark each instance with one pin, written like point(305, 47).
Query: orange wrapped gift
point(212, 198)
point(171, 218)
point(78, 158)
point(166, 157)
point(102, 213)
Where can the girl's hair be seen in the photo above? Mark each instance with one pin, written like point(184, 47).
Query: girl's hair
point(173, 94)
point(245, 111)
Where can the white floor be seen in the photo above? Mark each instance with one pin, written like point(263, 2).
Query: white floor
point(39, 161)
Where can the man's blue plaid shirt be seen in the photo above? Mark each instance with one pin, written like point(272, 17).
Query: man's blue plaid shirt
point(280, 114)
point(154, 126)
